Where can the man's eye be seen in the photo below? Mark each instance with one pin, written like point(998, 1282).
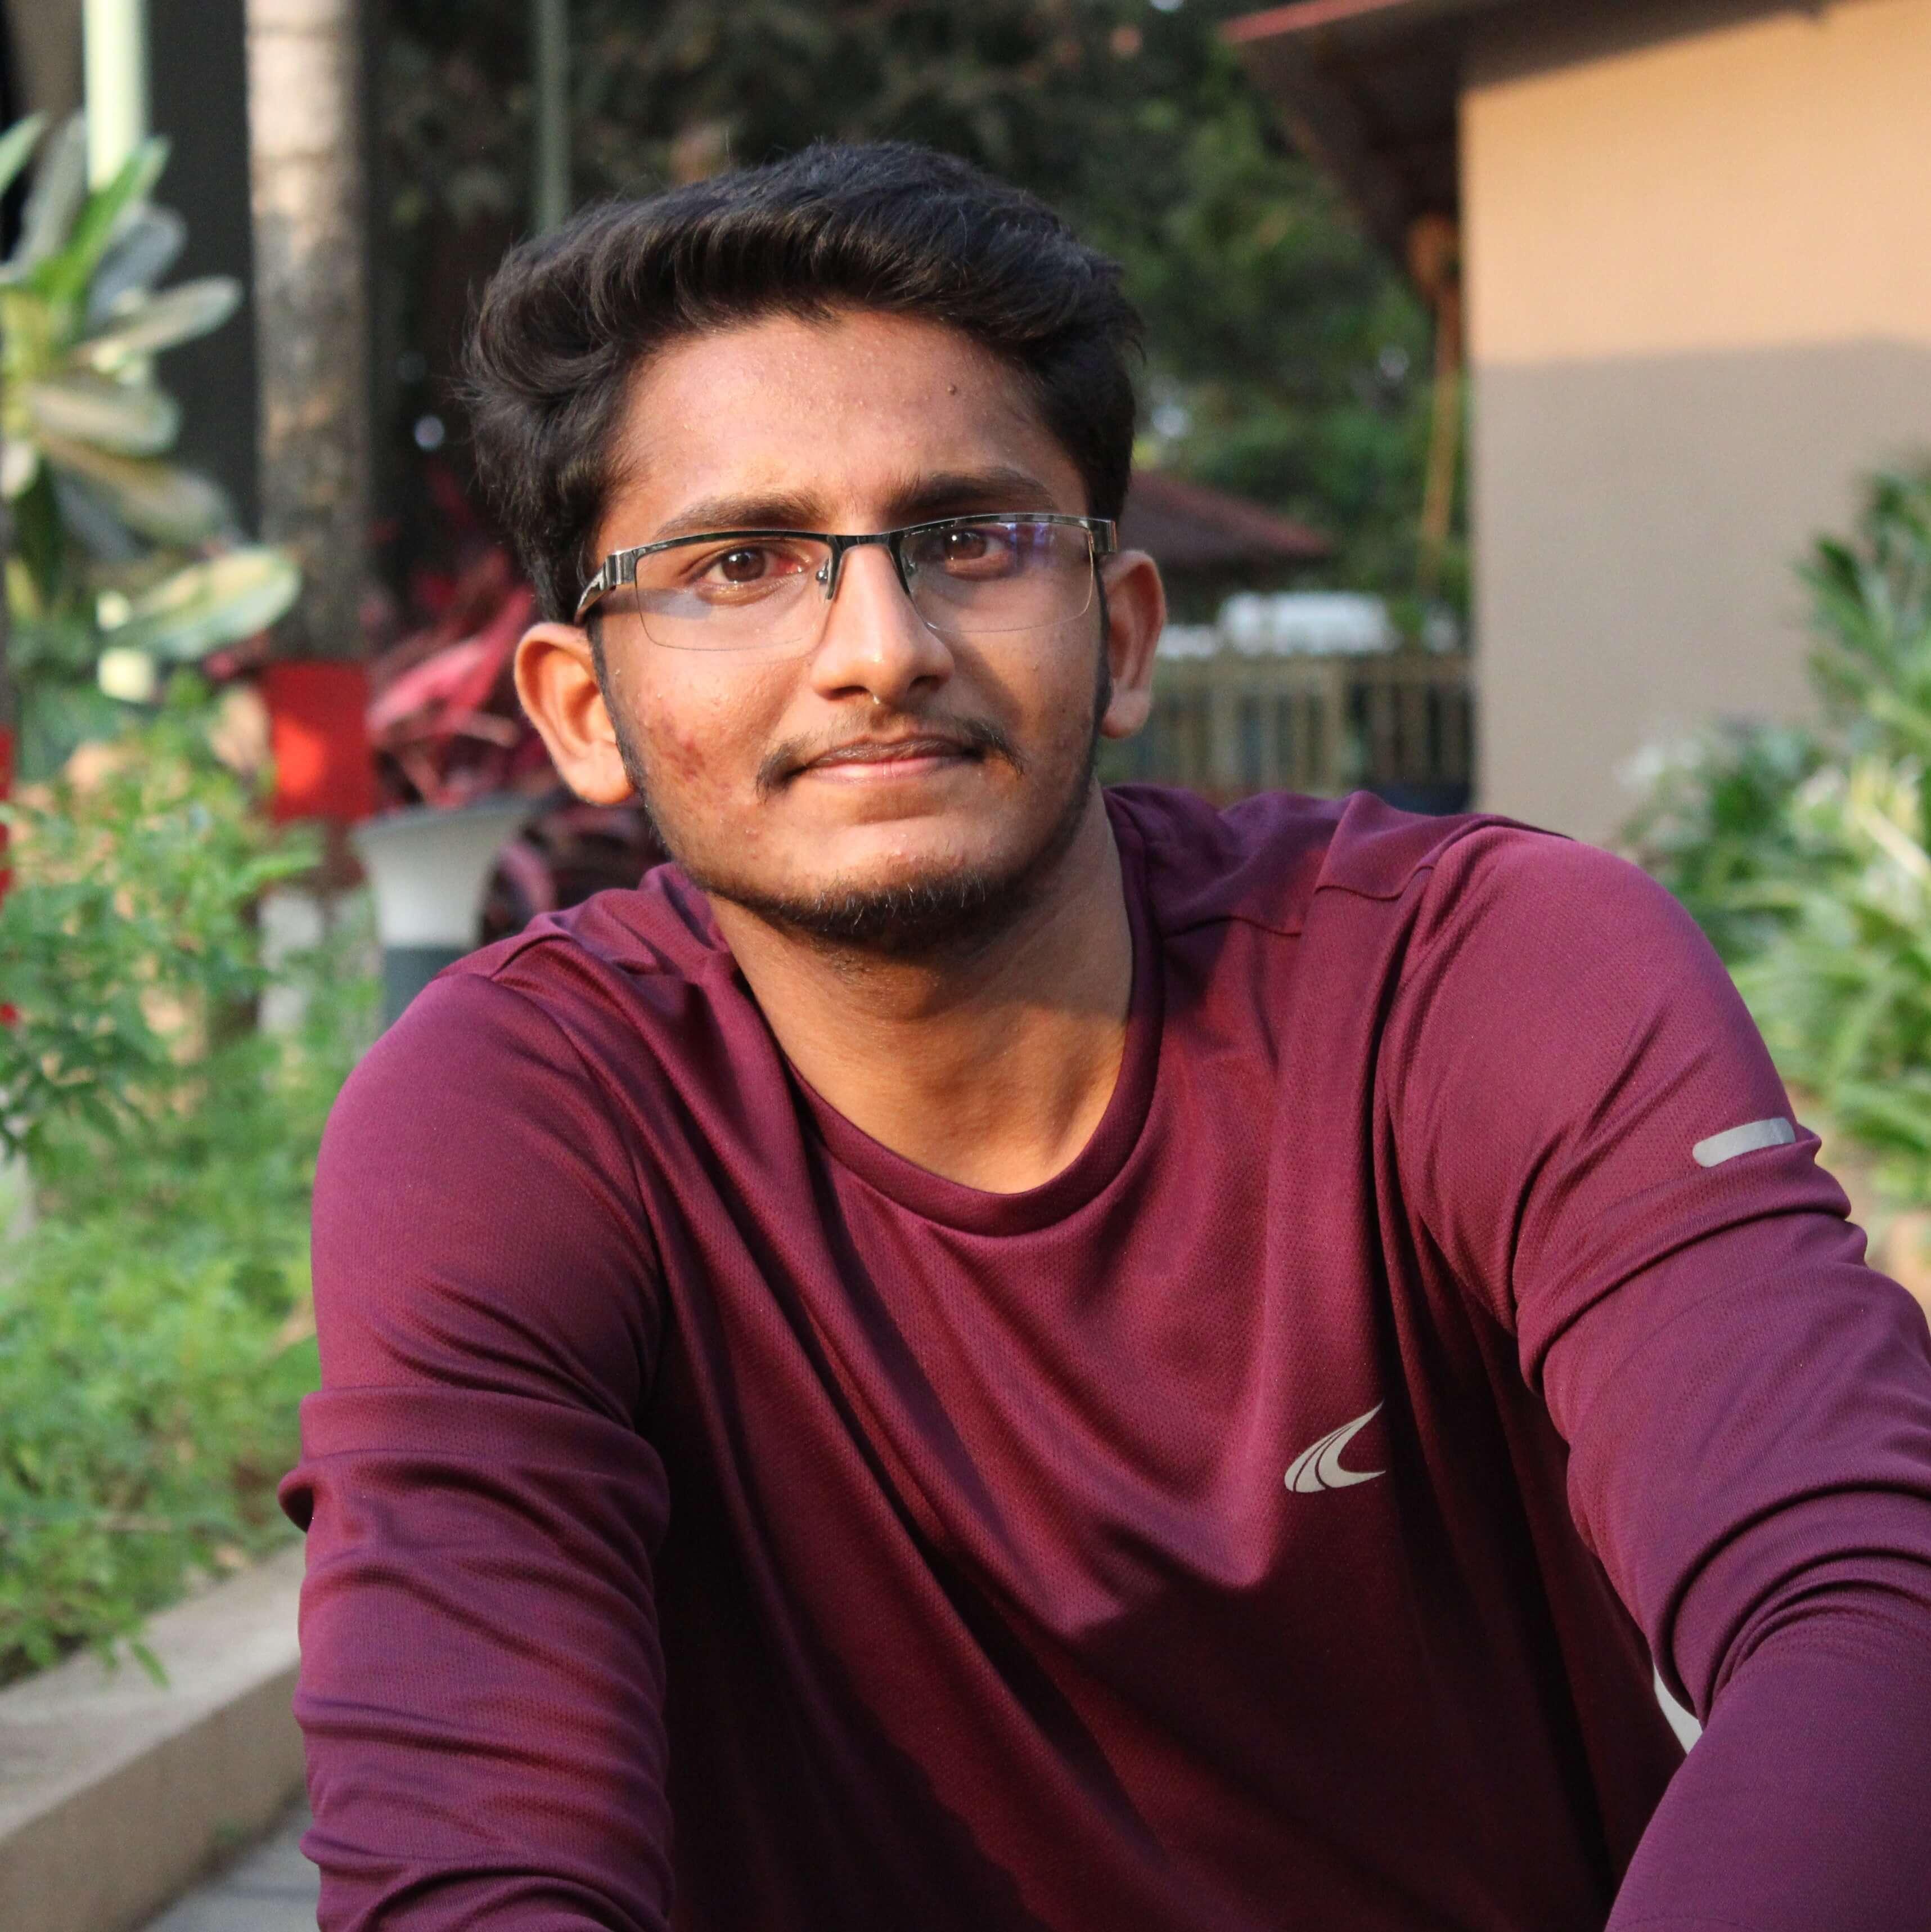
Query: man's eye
point(742, 566)
point(979, 552)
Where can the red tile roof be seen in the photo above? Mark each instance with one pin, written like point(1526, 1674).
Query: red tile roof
point(1188, 526)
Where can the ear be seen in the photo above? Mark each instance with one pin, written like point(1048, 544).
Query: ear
point(1136, 613)
point(556, 679)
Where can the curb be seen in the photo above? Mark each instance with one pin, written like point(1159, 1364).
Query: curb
point(115, 1794)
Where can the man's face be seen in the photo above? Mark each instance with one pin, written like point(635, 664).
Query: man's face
point(844, 785)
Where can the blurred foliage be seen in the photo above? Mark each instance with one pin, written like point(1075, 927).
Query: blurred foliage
point(130, 933)
point(1287, 359)
point(1807, 857)
point(150, 1399)
point(1715, 825)
point(122, 562)
point(1872, 600)
point(152, 1338)
point(1842, 991)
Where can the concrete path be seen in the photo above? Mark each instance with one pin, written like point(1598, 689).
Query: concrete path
point(272, 1889)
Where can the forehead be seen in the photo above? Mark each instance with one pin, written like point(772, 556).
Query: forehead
point(844, 418)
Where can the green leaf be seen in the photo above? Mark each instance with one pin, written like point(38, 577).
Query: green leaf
point(55, 718)
point(64, 277)
point(144, 324)
point(150, 241)
point(134, 419)
point(207, 605)
point(16, 145)
point(149, 1662)
point(60, 188)
point(165, 504)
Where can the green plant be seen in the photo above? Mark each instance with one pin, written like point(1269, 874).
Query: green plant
point(128, 935)
point(1842, 991)
point(1807, 857)
point(123, 563)
point(1714, 826)
point(1872, 605)
point(149, 1394)
point(153, 1342)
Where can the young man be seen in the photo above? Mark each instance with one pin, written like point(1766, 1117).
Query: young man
point(976, 1354)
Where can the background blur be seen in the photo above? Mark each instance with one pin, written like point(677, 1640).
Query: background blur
point(1536, 415)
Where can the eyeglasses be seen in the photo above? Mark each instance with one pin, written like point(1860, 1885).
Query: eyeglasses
point(753, 590)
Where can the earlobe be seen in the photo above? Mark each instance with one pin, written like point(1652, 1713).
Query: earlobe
point(1136, 609)
point(556, 681)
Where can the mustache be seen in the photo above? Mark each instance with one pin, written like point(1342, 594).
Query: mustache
point(976, 737)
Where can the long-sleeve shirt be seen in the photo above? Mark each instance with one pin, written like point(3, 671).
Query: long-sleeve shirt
point(1272, 1521)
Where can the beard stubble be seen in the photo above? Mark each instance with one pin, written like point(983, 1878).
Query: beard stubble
point(949, 915)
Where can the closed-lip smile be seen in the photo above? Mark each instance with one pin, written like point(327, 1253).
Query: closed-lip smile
point(864, 757)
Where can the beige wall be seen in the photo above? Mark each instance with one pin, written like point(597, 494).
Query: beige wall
point(1698, 254)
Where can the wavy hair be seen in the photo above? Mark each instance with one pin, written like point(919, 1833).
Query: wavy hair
point(885, 226)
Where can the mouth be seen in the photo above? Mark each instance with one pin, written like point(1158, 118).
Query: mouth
point(888, 756)
point(876, 758)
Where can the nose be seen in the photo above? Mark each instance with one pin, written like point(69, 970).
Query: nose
point(874, 643)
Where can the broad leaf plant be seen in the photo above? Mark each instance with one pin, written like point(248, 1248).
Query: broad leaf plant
point(123, 564)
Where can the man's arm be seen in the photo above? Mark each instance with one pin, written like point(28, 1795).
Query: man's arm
point(1747, 1406)
point(481, 1685)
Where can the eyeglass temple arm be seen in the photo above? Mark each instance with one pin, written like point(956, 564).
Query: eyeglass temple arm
point(593, 591)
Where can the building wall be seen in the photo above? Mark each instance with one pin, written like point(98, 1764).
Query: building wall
point(1699, 259)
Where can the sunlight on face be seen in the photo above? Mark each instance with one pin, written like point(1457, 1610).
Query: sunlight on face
point(882, 768)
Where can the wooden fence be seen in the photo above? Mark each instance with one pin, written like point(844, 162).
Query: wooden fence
point(1227, 725)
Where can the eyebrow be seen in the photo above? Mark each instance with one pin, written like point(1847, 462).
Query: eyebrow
point(946, 492)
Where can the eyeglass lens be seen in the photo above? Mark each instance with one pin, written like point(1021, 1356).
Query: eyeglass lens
point(767, 592)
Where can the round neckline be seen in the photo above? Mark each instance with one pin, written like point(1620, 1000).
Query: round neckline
point(977, 1210)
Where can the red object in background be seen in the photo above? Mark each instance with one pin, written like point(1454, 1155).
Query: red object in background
point(444, 722)
point(446, 728)
point(444, 717)
point(317, 710)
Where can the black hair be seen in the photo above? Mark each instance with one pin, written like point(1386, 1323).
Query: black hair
point(886, 227)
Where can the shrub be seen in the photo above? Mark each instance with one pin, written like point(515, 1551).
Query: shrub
point(1808, 858)
point(149, 1403)
point(153, 1342)
point(128, 941)
point(1714, 826)
point(1842, 991)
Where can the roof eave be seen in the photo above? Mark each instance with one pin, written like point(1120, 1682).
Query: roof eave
point(1303, 56)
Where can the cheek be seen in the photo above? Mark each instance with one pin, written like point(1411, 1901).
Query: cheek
point(705, 729)
point(1062, 692)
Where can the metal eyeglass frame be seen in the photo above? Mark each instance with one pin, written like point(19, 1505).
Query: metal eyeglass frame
point(620, 567)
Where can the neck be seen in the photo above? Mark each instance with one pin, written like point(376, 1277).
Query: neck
point(991, 1070)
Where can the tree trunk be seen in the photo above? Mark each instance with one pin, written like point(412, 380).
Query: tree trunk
point(305, 86)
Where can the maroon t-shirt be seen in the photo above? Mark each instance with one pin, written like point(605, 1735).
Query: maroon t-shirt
point(716, 1521)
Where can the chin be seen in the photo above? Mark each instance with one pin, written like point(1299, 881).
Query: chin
point(900, 904)
point(924, 887)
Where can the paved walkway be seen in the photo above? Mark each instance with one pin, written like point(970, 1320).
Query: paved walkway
point(272, 1888)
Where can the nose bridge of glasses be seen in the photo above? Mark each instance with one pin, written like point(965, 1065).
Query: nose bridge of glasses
point(831, 571)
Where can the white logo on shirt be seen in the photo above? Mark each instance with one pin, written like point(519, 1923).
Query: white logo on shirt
point(1318, 1466)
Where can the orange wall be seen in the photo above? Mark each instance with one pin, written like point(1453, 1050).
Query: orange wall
point(1699, 285)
